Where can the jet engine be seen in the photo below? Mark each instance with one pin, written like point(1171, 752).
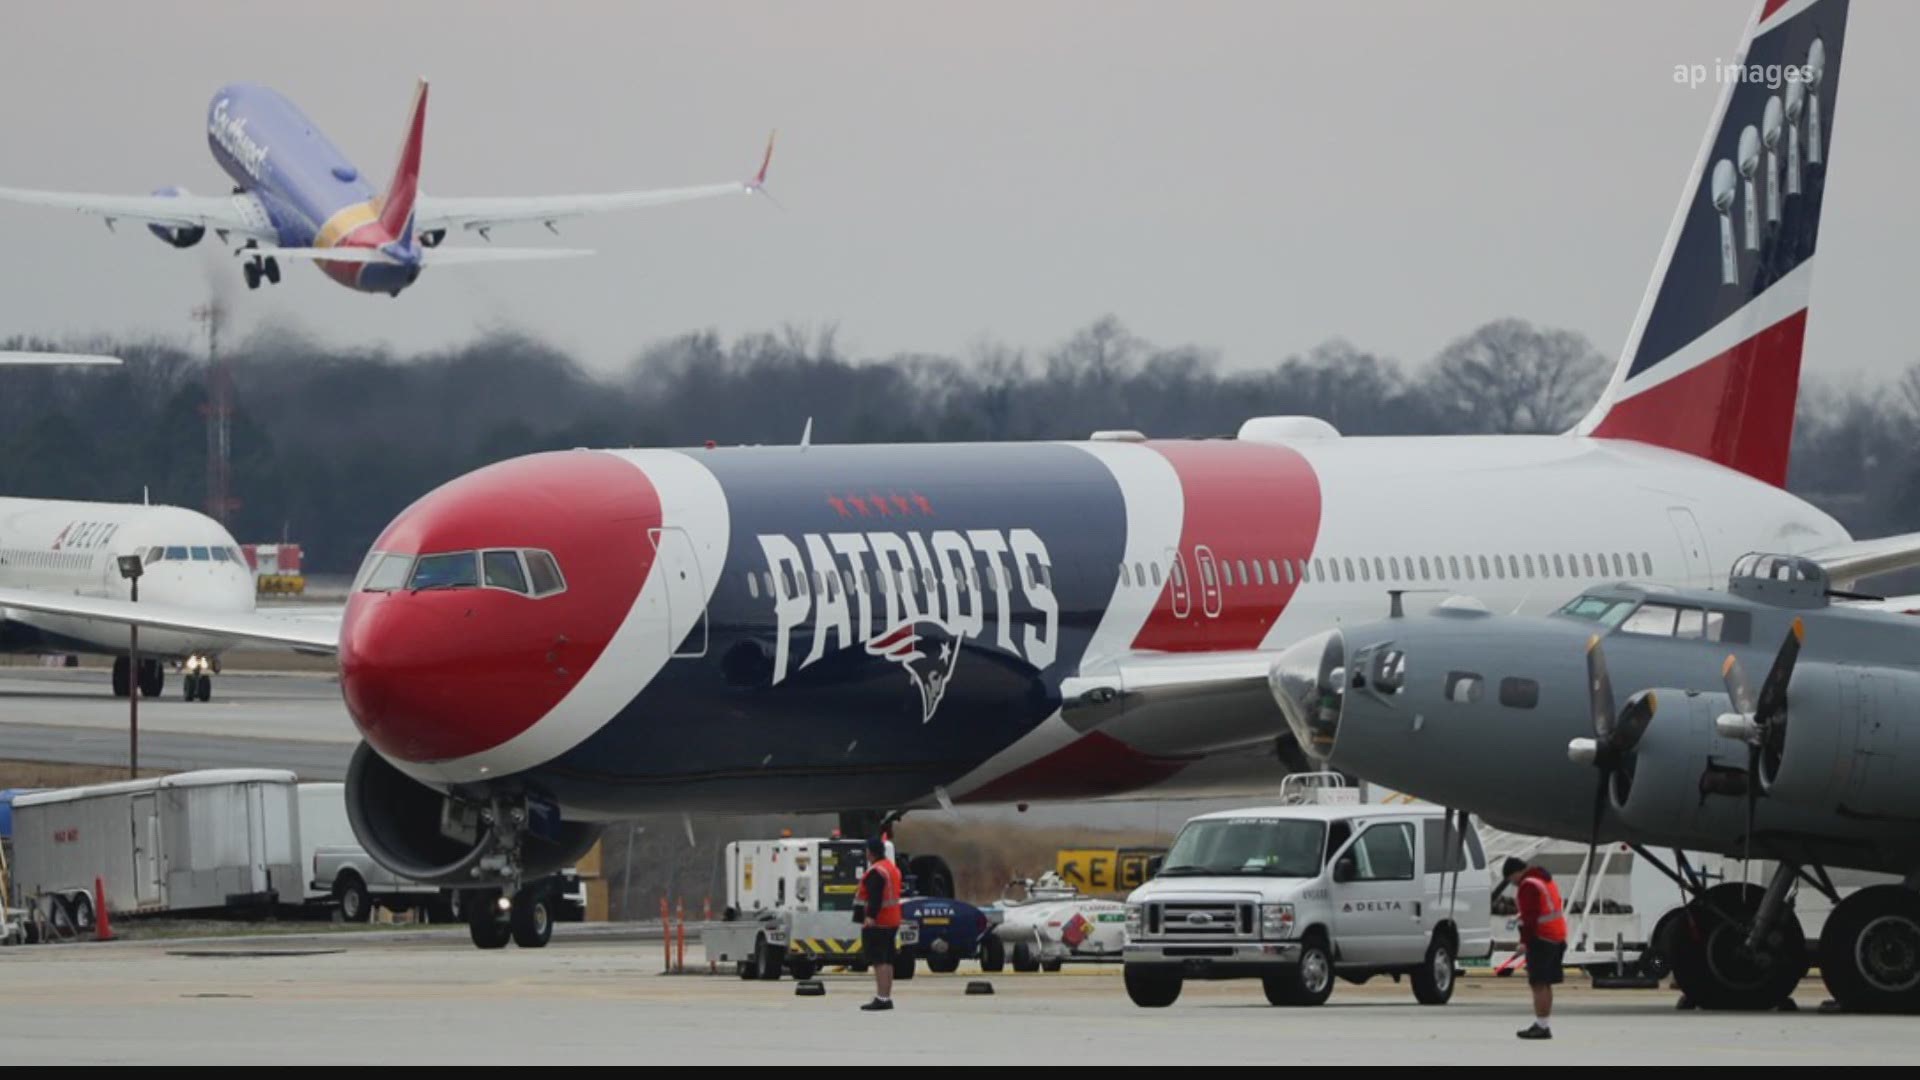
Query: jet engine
point(178, 236)
point(420, 833)
point(1837, 748)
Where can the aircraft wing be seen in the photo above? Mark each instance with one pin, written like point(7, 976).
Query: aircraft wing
point(310, 634)
point(483, 213)
point(1864, 558)
point(1178, 704)
point(222, 213)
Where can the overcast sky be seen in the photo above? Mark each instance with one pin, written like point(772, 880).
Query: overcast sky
point(1252, 177)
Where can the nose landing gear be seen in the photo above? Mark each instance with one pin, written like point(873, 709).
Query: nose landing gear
point(196, 680)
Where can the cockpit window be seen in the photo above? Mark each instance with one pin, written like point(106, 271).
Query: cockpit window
point(176, 553)
point(155, 554)
point(503, 570)
point(387, 572)
point(200, 554)
point(1604, 610)
point(1655, 619)
point(545, 573)
point(450, 571)
point(219, 554)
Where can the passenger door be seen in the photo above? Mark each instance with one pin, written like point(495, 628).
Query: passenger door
point(674, 556)
point(1693, 547)
point(1376, 895)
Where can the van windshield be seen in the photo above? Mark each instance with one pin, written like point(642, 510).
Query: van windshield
point(1267, 847)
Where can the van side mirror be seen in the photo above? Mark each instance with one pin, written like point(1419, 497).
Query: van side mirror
point(1344, 869)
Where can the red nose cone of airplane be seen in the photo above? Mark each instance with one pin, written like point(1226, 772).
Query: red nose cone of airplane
point(443, 673)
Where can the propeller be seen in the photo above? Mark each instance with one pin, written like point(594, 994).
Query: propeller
point(1615, 734)
point(1760, 723)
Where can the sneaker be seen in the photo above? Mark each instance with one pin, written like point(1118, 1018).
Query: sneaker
point(1535, 1032)
point(876, 1005)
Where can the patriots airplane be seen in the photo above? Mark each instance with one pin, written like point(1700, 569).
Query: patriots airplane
point(296, 196)
point(565, 639)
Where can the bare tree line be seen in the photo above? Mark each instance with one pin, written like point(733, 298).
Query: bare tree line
point(329, 443)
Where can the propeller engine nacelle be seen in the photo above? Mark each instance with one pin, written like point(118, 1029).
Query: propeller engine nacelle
point(419, 833)
point(1679, 771)
point(1840, 750)
point(178, 236)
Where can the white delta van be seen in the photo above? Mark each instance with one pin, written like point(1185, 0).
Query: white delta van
point(1296, 895)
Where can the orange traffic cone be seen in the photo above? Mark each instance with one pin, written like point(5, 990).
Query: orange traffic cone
point(102, 923)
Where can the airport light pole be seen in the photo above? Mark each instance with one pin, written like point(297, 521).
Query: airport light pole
point(131, 569)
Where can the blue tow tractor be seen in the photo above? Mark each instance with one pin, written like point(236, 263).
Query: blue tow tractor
point(949, 931)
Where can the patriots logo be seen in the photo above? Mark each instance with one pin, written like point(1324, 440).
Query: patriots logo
point(928, 651)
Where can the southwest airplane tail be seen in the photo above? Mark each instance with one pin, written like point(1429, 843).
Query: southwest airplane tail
point(1712, 364)
point(396, 206)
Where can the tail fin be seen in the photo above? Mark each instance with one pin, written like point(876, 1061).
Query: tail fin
point(1712, 365)
point(396, 206)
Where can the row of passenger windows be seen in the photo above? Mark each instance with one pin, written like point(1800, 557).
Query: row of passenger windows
point(1392, 568)
point(195, 553)
point(528, 572)
point(46, 560)
point(832, 583)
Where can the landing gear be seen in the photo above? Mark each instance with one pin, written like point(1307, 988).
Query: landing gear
point(1870, 950)
point(532, 917)
point(258, 269)
point(526, 920)
point(197, 681)
point(152, 680)
point(486, 923)
point(196, 687)
point(1725, 956)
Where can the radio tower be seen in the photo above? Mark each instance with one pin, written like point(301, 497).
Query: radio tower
point(218, 410)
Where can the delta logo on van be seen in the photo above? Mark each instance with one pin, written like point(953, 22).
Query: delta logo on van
point(1372, 905)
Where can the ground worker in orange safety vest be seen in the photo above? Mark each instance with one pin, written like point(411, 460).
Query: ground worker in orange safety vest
point(877, 906)
point(1543, 934)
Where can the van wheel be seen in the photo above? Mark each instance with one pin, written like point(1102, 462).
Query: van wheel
point(943, 965)
point(903, 966)
point(356, 903)
point(802, 969)
point(1023, 959)
point(1310, 983)
point(1152, 988)
point(1433, 979)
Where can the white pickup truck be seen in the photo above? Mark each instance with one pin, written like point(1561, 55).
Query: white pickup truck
point(1297, 895)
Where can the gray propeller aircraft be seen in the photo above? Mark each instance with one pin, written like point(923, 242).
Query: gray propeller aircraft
point(1516, 719)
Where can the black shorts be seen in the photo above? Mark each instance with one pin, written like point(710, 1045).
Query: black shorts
point(878, 943)
point(1543, 962)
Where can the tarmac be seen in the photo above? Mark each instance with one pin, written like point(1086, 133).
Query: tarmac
point(597, 996)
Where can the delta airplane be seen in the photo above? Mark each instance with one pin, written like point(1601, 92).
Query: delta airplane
point(565, 639)
point(70, 551)
point(296, 196)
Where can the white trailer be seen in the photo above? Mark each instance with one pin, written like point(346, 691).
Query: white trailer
point(192, 841)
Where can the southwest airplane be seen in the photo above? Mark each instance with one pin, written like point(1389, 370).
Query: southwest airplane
point(570, 638)
point(296, 196)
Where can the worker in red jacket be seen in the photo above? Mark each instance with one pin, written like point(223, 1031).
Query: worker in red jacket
point(877, 906)
point(1543, 934)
